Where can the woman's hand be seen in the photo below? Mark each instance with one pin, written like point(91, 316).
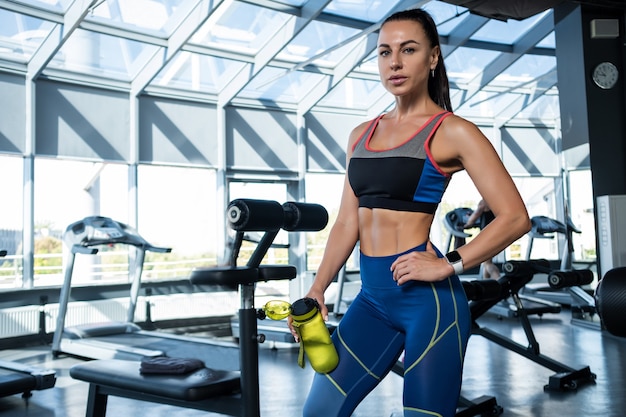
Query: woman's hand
point(319, 296)
point(420, 266)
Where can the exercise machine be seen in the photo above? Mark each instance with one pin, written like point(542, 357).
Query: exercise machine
point(564, 289)
point(610, 298)
point(517, 275)
point(229, 393)
point(16, 378)
point(455, 221)
point(125, 340)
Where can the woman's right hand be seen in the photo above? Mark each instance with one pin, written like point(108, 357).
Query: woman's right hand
point(319, 296)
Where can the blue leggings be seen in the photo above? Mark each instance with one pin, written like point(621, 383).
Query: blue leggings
point(430, 322)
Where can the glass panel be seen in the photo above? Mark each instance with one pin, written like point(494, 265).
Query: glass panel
point(97, 54)
point(369, 64)
point(352, 93)
point(548, 42)
point(55, 5)
point(354, 9)
point(316, 38)
point(279, 85)
point(197, 72)
point(87, 189)
point(506, 32)
point(177, 210)
point(297, 3)
point(525, 69)
point(544, 108)
point(324, 189)
point(11, 222)
point(21, 35)
point(241, 27)
point(485, 104)
point(581, 212)
point(158, 15)
point(466, 63)
point(537, 193)
point(446, 16)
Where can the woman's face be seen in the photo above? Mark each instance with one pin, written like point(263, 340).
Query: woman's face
point(405, 57)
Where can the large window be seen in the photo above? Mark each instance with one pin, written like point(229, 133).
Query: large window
point(11, 174)
point(69, 191)
point(177, 210)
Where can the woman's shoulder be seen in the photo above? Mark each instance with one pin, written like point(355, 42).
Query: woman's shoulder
point(457, 126)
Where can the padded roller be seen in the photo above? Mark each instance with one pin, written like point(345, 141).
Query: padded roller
point(611, 301)
point(524, 268)
point(484, 289)
point(255, 215)
point(564, 279)
point(304, 217)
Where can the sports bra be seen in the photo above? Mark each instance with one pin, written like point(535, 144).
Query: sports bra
point(403, 178)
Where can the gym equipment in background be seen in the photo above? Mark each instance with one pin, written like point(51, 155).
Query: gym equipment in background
point(518, 274)
point(18, 378)
point(562, 290)
point(610, 298)
point(125, 340)
point(235, 394)
point(454, 222)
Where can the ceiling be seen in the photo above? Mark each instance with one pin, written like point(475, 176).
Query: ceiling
point(522, 9)
point(293, 54)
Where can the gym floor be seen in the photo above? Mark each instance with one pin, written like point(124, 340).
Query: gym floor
point(516, 382)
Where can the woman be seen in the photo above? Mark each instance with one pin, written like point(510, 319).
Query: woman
point(484, 213)
point(411, 299)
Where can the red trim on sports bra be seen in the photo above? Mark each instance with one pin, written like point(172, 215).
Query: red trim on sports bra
point(369, 137)
point(427, 146)
point(368, 128)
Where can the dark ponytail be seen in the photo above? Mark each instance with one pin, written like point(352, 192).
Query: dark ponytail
point(438, 85)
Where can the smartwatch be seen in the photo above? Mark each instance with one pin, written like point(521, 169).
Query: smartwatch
point(456, 261)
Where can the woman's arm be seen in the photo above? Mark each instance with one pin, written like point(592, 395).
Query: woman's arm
point(343, 236)
point(457, 145)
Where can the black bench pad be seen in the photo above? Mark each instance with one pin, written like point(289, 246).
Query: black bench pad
point(196, 386)
point(244, 275)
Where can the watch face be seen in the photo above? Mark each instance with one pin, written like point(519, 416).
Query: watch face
point(453, 257)
point(605, 75)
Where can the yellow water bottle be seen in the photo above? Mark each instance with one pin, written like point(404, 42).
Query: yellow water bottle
point(314, 336)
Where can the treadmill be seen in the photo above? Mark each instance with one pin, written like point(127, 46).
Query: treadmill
point(454, 222)
point(126, 340)
point(18, 378)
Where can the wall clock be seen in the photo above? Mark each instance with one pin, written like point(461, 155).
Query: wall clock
point(605, 75)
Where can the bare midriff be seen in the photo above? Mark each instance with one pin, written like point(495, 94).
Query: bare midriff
point(385, 232)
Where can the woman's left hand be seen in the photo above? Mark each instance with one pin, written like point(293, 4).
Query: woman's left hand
point(420, 266)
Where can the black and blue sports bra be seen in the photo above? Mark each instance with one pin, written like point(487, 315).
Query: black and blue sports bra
point(404, 178)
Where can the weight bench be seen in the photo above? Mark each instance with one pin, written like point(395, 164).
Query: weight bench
point(518, 274)
point(205, 389)
point(225, 392)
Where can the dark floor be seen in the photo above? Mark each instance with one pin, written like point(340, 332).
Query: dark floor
point(516, 382)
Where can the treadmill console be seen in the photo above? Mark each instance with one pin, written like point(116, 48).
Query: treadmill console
point(98, 230)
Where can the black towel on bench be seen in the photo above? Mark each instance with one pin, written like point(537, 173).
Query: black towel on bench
point(166, 365)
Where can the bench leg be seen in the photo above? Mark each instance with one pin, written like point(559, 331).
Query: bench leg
point(96, 402)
